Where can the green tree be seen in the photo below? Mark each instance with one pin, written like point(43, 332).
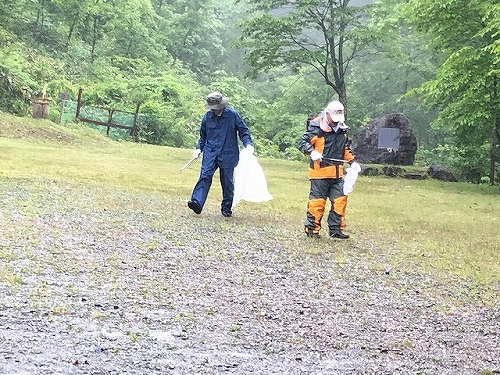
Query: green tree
point(466, 87)
point(397, 62)
point(132, 32)
point(326, 35)
point(9, 10)
point(192, 32)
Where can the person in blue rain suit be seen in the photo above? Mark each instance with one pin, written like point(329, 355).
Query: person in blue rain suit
point(221, 126)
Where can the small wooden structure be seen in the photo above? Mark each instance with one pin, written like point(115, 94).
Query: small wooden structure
point(41, 105)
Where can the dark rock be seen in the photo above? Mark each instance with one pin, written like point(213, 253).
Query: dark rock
point(392, 171)
point(441, 173)
point(369, 171)
point(365, 142)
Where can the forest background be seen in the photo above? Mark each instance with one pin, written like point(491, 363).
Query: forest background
point(278, 62)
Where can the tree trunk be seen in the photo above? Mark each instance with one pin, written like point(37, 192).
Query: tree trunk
point(94, 38)
point(492, 165)
point(495, 138)
point(72, 28)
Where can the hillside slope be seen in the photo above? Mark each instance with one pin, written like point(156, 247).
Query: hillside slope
point(44, 130)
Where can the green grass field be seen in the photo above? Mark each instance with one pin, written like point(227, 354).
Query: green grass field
point(446, 229)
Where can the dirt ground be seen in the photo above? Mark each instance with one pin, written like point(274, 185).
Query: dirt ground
point(96, 281)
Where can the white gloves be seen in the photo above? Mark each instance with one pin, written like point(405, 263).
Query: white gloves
point(196, 153)
point(356, 167)
point(315, 155)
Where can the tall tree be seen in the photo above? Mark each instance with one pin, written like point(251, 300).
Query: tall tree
point(193, 31)
point(466, 88)
point(326, 35)
point(71, 15)
point(133, 31)
point(395, 63)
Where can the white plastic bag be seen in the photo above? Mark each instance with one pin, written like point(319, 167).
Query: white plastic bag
point(249, 180)
point(350, 178)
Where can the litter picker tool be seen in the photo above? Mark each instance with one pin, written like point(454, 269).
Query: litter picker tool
point(188, 164)
point(336, 160)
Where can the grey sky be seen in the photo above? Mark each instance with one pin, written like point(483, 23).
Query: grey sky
point(360, 2)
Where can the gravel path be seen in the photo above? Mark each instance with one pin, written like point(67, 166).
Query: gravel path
point(100, 281)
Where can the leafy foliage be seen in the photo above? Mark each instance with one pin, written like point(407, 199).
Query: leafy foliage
point(466, 86)
point(324, 35)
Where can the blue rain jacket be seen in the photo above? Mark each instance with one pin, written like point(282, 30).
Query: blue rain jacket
point(219, 138)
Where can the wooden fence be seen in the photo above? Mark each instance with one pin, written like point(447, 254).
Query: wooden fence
point(110, 123)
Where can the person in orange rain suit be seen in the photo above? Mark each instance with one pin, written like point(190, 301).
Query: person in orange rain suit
point(325, 141)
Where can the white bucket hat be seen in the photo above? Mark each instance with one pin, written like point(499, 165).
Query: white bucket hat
point(336, 111)
point(216, 101)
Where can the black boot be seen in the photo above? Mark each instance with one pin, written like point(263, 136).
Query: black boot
point(310, 233)
point(338, 234)
point(194, 207)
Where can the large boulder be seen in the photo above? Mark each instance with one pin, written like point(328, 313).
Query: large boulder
point(365, 143)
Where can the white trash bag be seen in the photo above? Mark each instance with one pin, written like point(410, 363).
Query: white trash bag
point(249, 180)
point(351, 175)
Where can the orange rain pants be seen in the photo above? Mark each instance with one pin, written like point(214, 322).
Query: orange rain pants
point(321, 190)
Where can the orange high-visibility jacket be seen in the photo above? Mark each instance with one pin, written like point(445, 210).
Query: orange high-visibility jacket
point(332, 145)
